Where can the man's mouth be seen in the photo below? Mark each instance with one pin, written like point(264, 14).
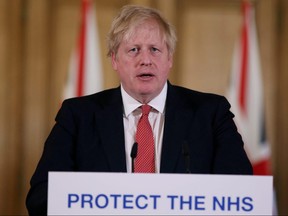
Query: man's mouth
point(145, 75)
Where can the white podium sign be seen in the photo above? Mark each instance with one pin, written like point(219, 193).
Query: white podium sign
point(82, 193)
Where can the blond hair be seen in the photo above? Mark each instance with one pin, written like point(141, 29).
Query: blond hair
point(131, 16)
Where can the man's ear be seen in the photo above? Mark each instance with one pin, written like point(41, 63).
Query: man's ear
point(170, 59)
point(114, 61)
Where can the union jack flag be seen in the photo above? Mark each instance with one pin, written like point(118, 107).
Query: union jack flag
point(85, 68)
point(245, 94)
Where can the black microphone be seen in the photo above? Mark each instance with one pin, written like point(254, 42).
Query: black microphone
point(133, 154)
point(186, 155)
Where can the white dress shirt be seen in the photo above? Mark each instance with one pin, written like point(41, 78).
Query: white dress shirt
point(131, 116)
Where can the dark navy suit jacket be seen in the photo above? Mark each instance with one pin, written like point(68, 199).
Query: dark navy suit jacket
point(89, 136)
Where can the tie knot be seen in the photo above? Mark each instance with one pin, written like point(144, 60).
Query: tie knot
point(145, 109)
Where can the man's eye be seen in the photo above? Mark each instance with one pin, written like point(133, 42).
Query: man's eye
point(154, 49)
point(134, 50)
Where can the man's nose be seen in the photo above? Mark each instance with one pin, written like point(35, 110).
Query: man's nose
point(145, 58)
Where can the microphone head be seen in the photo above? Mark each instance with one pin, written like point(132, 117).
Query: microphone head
point(134, 150)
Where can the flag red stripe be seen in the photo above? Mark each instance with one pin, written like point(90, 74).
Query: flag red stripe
point(82, 47)
point(244, 63)
point(262, 167)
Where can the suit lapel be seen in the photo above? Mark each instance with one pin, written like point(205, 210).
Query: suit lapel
point(177, 120)
point(110, 124)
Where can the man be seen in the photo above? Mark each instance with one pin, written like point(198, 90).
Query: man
point(96, 133)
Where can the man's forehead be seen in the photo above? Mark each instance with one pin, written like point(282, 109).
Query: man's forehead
point(135, 33)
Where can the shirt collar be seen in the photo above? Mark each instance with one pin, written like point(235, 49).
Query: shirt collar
point(130, 104)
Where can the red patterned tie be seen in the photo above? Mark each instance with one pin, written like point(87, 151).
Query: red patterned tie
point(145, 160)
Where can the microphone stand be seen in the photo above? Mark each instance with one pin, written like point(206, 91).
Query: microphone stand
point(186, 154)
point(133, 154)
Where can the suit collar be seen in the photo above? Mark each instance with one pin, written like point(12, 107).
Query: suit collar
point(130, 104)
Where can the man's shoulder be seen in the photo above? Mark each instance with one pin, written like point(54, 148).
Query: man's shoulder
point(184, 93)
point(186, 99)
point(94, 102)
point(101, 97)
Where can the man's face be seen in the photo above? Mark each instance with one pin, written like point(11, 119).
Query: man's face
point(143, 62)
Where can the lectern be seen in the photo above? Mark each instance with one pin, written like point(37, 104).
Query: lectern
point(86, 193)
